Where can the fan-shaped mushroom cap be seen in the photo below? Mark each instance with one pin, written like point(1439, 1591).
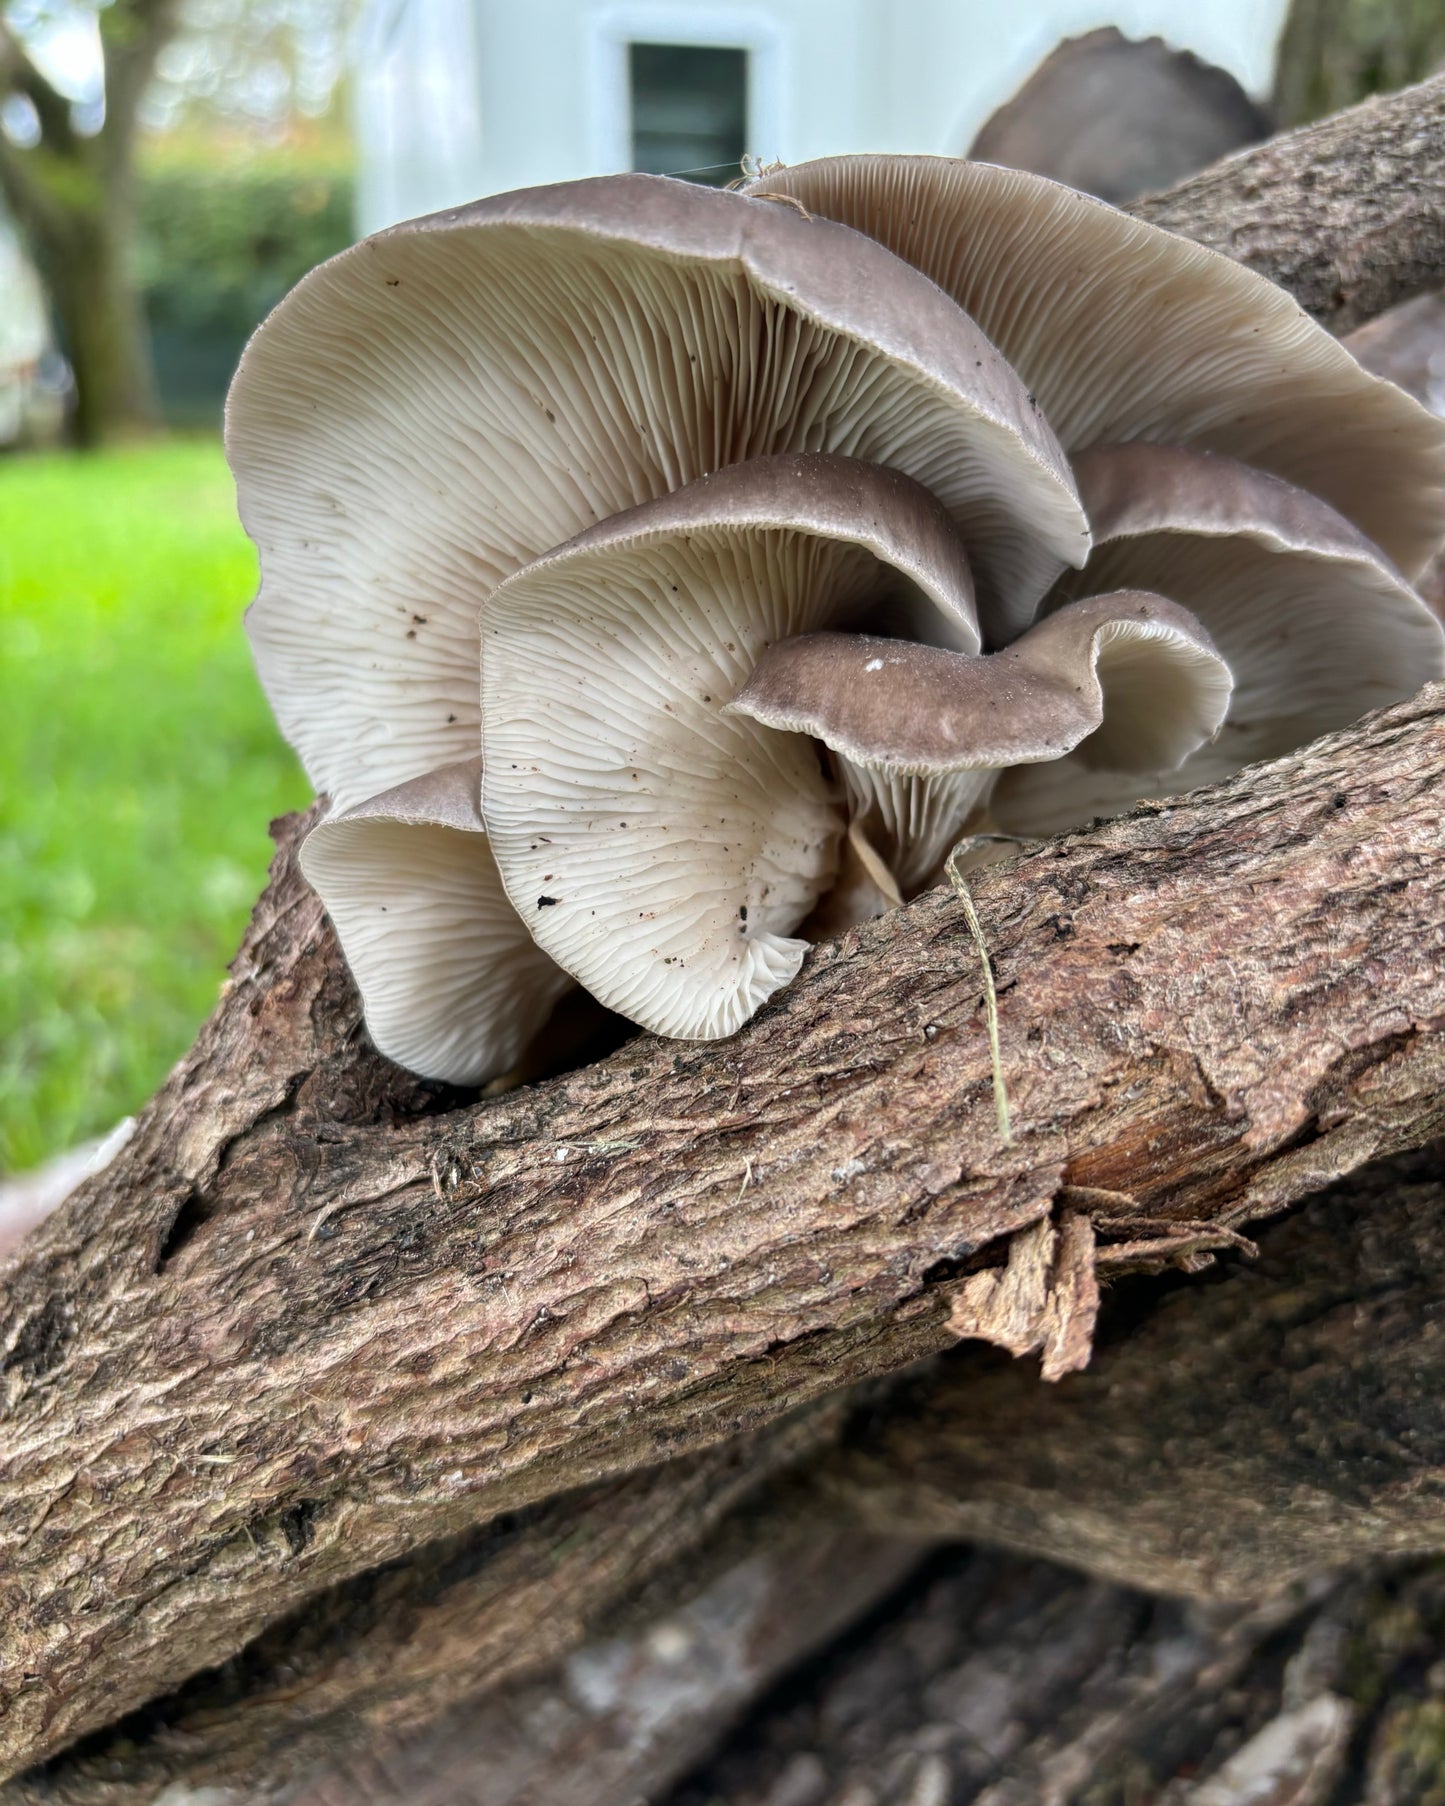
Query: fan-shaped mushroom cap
point(1313, 621)
point(445, 402)
point(452, 984)
point(659, 848)
point(1130, 674)
point(921, 734)
point(1123, 331)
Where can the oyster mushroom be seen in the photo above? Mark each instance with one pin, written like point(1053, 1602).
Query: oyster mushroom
point(1123, 331)
point(745, 546)
point(450, 399)
point(452, 984)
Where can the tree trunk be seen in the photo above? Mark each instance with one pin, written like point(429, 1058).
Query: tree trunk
point(84, 266)
point(341, 1408)
point(1333, 53)
point(72, 198)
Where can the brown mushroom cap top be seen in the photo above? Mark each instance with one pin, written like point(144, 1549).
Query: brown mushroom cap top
point(1130, 674)
point(1123, 331)
point(1132, 490)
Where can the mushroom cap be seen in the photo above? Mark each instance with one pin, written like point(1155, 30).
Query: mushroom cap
point(451, 983)
point(1130, 679)
point(1314, 622)
point(1123, 331)
point(441, 404)
point(659, 847)
point(1119, 117)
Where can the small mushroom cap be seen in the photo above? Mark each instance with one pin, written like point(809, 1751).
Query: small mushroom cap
point(1311, 616)
point(661, 849)
point(1119, 117)
point(1314, 622)
point(1131, 674)
point(452, 985)
point(443, 403)
point(1123, 331)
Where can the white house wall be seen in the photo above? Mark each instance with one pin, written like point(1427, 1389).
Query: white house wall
point(458, 98)
point(418, 109)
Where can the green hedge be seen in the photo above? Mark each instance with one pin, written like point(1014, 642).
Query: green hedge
point(217, 249)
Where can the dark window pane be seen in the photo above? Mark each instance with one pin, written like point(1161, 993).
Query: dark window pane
point(689, 110)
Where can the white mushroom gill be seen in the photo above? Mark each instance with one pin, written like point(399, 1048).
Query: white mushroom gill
point(1124, 332)
point(449, 400)
point(655, 577)
point(453, 984)
point(662, 848)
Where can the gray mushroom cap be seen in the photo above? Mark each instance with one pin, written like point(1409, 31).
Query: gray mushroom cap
point(1130, 679)
point(921, 734)
point(1315, 623)
point(1123, 331)
point(447, 401)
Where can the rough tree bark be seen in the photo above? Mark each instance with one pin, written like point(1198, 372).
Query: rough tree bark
point(294, 1391)
point(72, 195)
point(1346, 215)
point(1317, 1440)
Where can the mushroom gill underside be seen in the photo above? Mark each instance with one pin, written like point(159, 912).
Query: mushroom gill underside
point(757, 576)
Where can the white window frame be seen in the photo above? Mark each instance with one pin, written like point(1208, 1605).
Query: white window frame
point(613, 27)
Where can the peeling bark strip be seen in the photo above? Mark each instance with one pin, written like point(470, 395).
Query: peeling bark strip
point(1045, 1298)
point(1226, 1443)
point(378, 1339)
point(1348, 215)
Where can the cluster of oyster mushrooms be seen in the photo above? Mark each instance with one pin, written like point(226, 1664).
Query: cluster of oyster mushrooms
point(655, 577)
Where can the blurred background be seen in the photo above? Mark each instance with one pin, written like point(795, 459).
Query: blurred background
point(168, 168)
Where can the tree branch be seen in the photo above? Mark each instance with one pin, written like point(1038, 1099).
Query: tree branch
point(1348, 215)
point(133, 32)
point(461, 1318)
point(1287, 1420)
point(21, 185)
point(19, 74)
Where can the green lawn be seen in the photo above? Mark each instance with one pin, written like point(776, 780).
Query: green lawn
point(138, 768)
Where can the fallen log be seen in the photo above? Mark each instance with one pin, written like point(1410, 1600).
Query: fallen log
point(592, 1650)
point(318, 1345)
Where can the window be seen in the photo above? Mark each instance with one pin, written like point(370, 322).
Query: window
point(689, 110)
